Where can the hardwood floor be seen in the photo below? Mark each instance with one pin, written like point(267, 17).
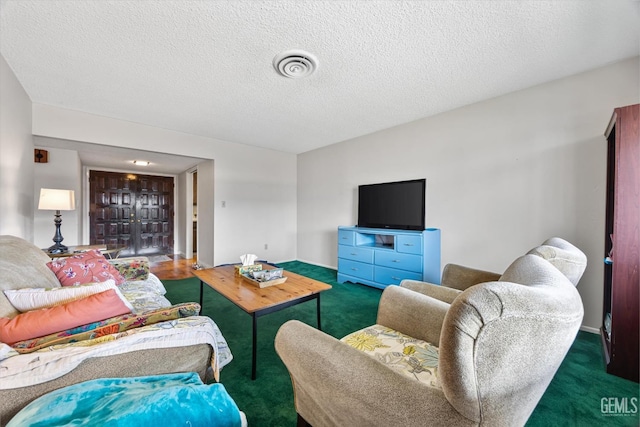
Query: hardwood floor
point(179, 268)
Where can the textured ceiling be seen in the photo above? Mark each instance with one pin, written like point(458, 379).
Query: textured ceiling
point(205, 67)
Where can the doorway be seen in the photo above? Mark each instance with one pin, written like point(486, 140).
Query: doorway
point(131, 209)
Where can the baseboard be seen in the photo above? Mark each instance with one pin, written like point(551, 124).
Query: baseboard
point(314, 263)
point(590, 329)
point(203, 265)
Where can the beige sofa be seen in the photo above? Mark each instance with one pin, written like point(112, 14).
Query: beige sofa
point(24, 265)
point(479, 351)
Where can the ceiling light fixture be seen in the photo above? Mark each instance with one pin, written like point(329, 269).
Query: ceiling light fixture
point(295, 64)
point(141, 163)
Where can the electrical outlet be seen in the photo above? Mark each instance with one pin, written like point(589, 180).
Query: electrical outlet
point(266, 246)
point(224, 204)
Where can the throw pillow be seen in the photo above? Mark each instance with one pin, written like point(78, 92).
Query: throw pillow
point(86, 267)
point(27, 299)
point(45, 321)
point(134, 268)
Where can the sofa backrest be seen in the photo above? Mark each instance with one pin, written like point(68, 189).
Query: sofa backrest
point(503, 341)
point(567, 258)
point(22, 265)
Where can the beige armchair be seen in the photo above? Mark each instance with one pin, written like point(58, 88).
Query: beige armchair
point(479, 351)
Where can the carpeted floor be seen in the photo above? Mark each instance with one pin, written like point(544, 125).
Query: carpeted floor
point(573, 398)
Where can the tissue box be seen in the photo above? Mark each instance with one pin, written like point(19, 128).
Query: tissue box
point(244, 269)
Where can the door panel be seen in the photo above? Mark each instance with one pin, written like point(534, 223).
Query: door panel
point(135, 210)
point(154, 214)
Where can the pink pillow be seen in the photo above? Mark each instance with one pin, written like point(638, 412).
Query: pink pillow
point(86, 267)
point(38, 323)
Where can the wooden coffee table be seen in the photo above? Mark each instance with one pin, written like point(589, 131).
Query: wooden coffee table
point(258, 302)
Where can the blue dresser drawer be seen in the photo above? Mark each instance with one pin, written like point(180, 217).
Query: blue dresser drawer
point(399, 261)
point(409, 244)
point(355, 269)
point(383, 257)
point(392, 276)
point(355, 253)
point(346, 237)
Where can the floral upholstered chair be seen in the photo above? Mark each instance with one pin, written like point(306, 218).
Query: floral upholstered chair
point(480, 350)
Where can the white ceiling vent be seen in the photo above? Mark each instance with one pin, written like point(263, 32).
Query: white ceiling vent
point(295, 64)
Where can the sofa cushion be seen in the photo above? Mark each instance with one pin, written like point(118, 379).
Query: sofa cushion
point(414, 358)
point(86, 267)
point(28, 299)
point(45, 321)
point(22, 265)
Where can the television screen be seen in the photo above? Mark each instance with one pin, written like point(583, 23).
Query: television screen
point(397, 205)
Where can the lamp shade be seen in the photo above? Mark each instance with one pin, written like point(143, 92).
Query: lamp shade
point(57, 200)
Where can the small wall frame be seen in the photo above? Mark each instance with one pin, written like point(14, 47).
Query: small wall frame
point(40, 156)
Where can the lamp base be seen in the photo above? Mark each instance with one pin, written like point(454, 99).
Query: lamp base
point(58, 249)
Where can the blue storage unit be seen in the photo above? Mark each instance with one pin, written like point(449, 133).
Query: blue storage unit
point(383, 257)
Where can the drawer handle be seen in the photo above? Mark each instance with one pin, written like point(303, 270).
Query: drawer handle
point(344, 238)
point(396, 260)
point(354, 254)
point(395, 278)
point(408, 244)
point(354, 269)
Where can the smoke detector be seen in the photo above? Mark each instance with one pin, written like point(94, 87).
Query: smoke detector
point(295, 64)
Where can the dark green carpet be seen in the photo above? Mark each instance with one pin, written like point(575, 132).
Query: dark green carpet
point(572, 399)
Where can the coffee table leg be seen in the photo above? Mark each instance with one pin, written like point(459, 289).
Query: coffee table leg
point(255, 341)
point(201, 288)
point(318, 309)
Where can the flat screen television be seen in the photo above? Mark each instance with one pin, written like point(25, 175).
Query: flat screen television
point(397, 205)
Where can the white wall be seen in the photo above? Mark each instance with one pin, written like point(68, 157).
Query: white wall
point(502, 175)
point(207, 229)
point(257, 185)
point(16, 157)
point(62, 171)
point(180, 240)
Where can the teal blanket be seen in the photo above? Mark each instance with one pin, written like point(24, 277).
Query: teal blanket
point(161, 400)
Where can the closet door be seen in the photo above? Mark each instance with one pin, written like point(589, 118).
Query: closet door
point(134, 210)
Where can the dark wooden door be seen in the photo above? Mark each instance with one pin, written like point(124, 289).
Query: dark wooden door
point(135, 210)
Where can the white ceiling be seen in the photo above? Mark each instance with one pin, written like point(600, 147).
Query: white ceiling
point(205, 67)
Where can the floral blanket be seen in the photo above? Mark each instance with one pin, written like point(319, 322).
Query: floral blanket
point(20, 370)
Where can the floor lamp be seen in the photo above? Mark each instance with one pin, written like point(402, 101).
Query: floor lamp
point(57, 200)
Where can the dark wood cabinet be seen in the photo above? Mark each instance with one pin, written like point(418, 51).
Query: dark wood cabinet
point(620, 321)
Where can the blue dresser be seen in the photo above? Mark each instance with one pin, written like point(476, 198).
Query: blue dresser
point(382, 257)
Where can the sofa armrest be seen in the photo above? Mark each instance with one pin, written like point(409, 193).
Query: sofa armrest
point(439, 292)
point(134, 268)
point(337, 385)
point(412, 313)
point(461, 277)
